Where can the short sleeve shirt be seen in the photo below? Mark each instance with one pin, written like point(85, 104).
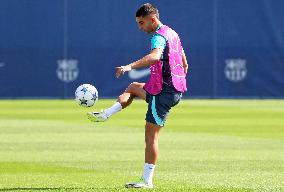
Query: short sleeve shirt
point(158, 41)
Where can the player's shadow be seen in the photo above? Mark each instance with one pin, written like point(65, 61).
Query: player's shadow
point(58, 189)
point(37, 188)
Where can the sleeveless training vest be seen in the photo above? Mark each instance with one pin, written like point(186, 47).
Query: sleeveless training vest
point(155, 83)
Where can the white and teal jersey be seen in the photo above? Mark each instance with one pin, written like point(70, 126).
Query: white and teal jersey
point(158, 41)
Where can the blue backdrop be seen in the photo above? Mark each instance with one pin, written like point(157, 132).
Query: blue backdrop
point(49, 47)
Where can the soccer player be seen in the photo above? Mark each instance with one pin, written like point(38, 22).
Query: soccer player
point(168, 66)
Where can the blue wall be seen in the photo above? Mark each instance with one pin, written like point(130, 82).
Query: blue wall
point(49, 47)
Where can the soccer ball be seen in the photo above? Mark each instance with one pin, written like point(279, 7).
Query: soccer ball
point(86, 95)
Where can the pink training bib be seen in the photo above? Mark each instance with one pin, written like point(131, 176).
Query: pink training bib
point(155, 83)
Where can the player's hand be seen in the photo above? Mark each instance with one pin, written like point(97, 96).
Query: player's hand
point(121, 70)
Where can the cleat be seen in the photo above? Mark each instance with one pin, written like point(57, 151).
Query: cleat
point(139, 184)
point(97, 116)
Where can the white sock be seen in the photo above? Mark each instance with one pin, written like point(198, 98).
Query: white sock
point(113, 109)
point(148, 173)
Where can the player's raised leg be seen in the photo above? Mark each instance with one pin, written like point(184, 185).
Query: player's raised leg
point(135, 89)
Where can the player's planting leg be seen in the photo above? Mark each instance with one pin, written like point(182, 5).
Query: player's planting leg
point(151, 140)
point(135, 89)
point(151, 157)
point(151, 151)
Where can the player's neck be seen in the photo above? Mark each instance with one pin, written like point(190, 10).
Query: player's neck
point(157, 26)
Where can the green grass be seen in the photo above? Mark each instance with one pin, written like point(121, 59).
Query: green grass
point(206, 145)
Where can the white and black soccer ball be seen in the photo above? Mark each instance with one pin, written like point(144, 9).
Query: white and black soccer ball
point(86, 95)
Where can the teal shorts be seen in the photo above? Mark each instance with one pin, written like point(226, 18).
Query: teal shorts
point(160, 105)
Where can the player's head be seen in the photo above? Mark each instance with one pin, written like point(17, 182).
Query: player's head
point(147, 18)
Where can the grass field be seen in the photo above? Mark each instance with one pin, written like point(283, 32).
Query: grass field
point(206, 145)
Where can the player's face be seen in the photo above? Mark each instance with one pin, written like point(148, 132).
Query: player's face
point(146, 23)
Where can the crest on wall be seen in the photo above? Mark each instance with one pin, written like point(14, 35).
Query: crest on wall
point(67, 70)
point(235, 69)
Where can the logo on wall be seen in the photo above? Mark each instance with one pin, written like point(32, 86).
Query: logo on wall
point(138, 74)
point(67, 70)
point(235, 69)
point(2, 64)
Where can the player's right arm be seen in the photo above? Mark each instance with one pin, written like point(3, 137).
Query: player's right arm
point(158, 44)
point(146, 61)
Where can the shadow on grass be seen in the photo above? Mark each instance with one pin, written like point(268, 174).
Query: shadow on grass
point(57, 189)
point(40, 189)
point(33, 189)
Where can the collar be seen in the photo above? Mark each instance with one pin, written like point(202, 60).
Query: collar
point(159, 26)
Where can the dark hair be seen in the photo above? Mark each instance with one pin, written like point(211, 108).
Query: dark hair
point(147, 9)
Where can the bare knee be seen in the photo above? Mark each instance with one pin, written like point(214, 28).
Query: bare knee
point(132, 87)
point(151, 142)
point(151, 136)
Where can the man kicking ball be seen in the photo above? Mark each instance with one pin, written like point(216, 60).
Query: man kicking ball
point(168, 66)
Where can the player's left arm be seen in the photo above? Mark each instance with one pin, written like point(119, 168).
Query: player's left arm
point(184, 61)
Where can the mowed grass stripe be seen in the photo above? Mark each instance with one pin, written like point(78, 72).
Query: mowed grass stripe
point(206, 145)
